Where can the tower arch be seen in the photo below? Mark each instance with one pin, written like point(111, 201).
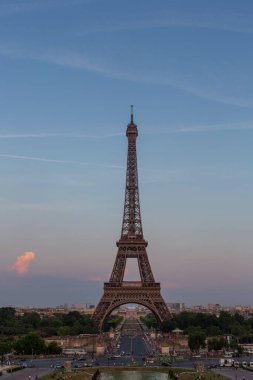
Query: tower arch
point(121, 303)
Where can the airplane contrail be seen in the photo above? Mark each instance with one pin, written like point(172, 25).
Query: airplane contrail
point(57, 135)
point(156, 131)
point(55, 161)
point(70, 162)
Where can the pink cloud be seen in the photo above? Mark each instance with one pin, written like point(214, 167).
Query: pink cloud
point(21, 265)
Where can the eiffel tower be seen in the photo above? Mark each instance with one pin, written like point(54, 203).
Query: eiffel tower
point(145, 292)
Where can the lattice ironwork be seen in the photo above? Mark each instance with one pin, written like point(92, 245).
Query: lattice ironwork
point(114, 297)
point(131, 244)
point(131, 226)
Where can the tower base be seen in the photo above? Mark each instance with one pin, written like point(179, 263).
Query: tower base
point(117, 294)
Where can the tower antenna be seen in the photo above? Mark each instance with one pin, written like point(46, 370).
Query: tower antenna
point(132, 114)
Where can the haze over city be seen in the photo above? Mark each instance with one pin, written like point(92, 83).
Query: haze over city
point(70, 69)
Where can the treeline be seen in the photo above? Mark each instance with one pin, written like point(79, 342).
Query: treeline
point(112, 322)
point(30, 344)
point(24, 334)
point(72, 323)
point(210, 324)
point(200, 326)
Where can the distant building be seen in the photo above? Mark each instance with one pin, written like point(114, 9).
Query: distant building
point(176, 307)
point(138, 310)
point(62, 309)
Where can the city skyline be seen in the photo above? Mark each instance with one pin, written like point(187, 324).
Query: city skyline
point(70, 70)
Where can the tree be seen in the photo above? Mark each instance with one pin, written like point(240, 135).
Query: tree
point(5, 348)
point(196, 341)
point(63, 331)
point(185, 320)
point(112, 322)
point(213, 331)
point(226, 320)
point(53, 349)
point(235, 346)
point(30, 344)
point(168, 325)
point(237, 329)
point(217, 344)
point(239, 318)
point(71, 318)
point(6, 314)
point(32, 320)
point(149, 320)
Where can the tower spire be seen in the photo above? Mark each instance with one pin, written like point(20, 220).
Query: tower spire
point(132, 114)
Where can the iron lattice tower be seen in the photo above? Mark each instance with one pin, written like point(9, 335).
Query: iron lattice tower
point(131, 245)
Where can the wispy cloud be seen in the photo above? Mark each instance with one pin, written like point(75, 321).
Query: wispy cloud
point(201, 128)
point(227, 21)
point(58, 135)
point(26, 206)
point(53, 206)
point(165, 130)
point(80, 61)
point(54, 161)
point(159, 172)
point(62, 58)
point(222, 20)
point(9, 7)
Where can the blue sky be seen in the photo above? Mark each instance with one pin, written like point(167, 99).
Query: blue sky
point(69, 70)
